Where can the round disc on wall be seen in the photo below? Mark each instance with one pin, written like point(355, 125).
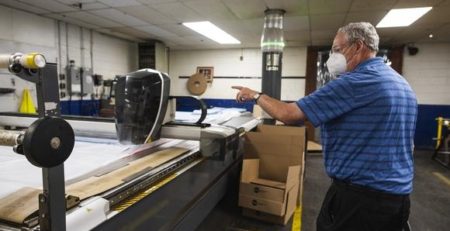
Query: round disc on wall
point(196, 84)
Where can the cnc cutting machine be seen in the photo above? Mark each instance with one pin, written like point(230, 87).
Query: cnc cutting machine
point(156, 175)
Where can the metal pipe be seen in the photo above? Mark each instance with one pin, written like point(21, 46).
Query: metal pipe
point(59, 48)
point(91, 49)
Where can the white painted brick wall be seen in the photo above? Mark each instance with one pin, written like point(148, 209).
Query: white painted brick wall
point(428, 72)
point(28, 28)
point(25, 32)
point(114, 56)
point(227, 62)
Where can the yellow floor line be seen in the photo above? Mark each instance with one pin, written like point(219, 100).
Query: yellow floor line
point(442, 178)
point(297, 220)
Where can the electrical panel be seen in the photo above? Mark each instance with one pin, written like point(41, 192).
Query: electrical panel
point(73, 80)
point(79, 81)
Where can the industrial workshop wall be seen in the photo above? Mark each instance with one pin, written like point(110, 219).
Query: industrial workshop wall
point(23, 32)
point(59, 42)
point(108, 56)
point(236, 67)
point(428, 73)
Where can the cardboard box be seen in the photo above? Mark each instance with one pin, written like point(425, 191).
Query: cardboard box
point(282, 220)
point(283, 145)
point(272, 172)
point(266, 195)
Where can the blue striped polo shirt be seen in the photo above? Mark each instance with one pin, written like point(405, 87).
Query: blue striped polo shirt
point(368, 119)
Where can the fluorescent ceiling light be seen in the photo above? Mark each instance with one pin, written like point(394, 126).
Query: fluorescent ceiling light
point(402, 17)
point(211, 31)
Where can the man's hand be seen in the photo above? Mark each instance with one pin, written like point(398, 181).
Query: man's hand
point(244, 94)
point(288, 113)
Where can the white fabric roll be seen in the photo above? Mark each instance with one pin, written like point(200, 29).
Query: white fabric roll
point(4, 60)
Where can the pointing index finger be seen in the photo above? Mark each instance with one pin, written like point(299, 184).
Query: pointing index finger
point(237, 87)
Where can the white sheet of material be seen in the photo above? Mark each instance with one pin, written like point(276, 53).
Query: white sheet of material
point(88, 154)
point(88, 214)
point(216, 115)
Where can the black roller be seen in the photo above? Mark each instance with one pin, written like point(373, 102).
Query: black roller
point(48, 142)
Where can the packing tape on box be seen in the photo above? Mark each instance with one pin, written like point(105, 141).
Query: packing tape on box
point(196, 84)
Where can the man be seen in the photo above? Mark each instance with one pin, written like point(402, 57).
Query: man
point(367, 117)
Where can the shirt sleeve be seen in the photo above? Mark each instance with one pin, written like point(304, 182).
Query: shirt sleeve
point(329, 102)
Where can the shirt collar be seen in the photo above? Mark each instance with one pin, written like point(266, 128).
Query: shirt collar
point(371, 61)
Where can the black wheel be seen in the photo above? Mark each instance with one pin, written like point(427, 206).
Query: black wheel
point(48, 142)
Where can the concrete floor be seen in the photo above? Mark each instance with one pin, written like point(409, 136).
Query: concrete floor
point(430, 200)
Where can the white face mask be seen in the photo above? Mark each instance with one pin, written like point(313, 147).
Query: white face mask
point(336, 64)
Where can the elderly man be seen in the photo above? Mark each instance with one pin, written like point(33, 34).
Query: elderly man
point(367, 117)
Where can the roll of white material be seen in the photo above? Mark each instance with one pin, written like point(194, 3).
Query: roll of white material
point(87, 215)
point(4, 60)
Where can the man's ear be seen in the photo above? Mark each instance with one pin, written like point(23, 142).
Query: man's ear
point(359, 45)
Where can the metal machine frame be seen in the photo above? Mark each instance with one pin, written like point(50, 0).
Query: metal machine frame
point(52, 203)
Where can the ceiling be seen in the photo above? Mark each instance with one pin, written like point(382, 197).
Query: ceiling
point(306, 22)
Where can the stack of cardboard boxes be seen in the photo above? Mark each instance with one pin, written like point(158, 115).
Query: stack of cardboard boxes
point(272, 173)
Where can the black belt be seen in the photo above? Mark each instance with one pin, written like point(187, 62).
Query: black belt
point(368, 191)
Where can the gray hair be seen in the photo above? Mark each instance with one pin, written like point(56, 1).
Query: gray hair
point(363, 31)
